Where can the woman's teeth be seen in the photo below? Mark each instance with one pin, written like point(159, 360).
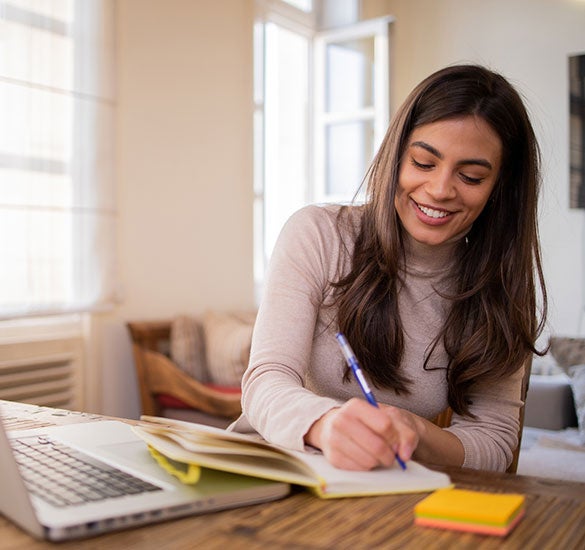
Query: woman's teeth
point(433, 213)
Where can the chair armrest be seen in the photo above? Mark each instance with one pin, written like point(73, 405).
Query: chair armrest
point(152, 335)
point(164, 377)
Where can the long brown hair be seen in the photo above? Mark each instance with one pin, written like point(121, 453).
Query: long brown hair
point(492, 324)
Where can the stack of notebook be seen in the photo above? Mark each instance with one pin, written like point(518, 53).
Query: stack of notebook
point(473, 511)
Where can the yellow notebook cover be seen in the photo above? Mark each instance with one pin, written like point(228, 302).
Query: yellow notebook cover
point(471, 506)
point(182, 447)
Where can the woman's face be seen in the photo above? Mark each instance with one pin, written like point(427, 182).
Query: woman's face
point(446, 177)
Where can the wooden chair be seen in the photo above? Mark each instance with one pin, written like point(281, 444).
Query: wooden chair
point(166, 390)
point(443, 420)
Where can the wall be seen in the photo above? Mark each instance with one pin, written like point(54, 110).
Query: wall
point(184, 170)
point(184, 155)
point(185, 149)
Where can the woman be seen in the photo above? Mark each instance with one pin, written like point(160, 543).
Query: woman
point(432, 281)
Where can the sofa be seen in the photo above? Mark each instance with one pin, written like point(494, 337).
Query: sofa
point(553, 441)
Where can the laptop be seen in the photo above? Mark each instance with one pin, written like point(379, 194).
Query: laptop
point(79, 480)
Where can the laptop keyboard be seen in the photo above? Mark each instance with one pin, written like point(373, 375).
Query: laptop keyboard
point(63, 476)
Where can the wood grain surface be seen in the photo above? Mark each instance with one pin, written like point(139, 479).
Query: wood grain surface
point(554, 519)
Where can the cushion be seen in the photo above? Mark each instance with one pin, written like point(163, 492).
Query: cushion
point(577, 375)
point(228, 337)
point(187, 347)
point(545, 365)
point(171, 402)
point(568, 351)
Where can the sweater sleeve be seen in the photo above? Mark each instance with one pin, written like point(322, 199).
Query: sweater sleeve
point(275, 401)
point(490, 438)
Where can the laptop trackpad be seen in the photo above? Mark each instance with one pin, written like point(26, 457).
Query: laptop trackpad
point(115, 443)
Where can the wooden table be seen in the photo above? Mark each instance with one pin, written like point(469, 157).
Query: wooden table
point(555, 518)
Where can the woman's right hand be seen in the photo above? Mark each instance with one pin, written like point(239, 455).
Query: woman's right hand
point(358, 436)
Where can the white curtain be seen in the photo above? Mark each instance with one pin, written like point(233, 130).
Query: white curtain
point(57, 185)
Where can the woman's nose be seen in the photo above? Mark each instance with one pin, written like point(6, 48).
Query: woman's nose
point(441, 185)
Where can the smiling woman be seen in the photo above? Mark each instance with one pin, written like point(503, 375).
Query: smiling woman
point(431, 281)
point(447, 177)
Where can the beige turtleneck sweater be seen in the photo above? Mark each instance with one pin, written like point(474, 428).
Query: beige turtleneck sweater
point(296, 368)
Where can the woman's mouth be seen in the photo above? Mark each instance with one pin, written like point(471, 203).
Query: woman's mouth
point(432, 212)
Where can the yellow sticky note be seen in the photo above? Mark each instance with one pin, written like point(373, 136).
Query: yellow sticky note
point(471, 506)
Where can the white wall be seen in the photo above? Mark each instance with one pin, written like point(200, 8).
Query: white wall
point(184, 171)
point(184, 149)
point(184, 155)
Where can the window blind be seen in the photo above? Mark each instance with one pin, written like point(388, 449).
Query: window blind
point(57, 185)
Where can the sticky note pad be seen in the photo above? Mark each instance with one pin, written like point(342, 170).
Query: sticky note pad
point(474, 511)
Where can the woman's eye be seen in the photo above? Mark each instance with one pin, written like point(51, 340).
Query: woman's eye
point(421, 165)
point(471, 180)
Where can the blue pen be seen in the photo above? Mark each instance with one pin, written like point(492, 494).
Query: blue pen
point(359, 375)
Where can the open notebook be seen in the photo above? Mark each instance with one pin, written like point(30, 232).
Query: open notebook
point(83, 479)
point(186, 449)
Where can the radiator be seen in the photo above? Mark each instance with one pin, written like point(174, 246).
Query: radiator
point(43, 372)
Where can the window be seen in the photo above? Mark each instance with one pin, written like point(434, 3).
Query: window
point(305, 5)
point(321, 110)
point(351, 104)
point(57, 211)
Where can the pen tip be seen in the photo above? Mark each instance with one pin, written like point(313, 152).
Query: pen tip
point(400, 462)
